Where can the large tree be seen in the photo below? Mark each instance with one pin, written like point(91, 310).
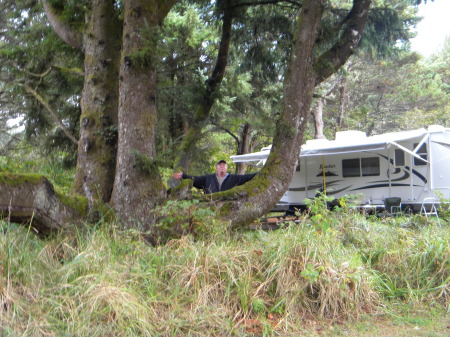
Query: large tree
point(125, 50)
point(138, 187)
point(120, 92)
point(307, 68)
point(98, 38)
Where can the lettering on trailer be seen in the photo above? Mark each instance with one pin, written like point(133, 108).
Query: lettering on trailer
point(328, 172)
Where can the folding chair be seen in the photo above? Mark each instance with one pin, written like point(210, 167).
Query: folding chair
point(393, 206)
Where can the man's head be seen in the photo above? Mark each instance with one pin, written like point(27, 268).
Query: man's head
point(221, 168)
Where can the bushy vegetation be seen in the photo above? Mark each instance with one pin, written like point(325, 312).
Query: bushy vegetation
point(336, 266)
point(103, 281)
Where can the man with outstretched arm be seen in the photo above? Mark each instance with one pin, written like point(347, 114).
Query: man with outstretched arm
point(216, 182)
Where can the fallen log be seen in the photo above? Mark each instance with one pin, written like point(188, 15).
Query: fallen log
point(32, 198)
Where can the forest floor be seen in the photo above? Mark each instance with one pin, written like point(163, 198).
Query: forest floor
point(416, 322)
point(414, 326)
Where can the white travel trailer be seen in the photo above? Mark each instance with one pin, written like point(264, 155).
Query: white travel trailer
point(409, 169)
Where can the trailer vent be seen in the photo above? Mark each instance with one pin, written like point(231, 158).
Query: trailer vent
point(317, 143)
point(350, 135)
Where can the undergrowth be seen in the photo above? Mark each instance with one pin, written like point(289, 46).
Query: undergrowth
point(106, 281)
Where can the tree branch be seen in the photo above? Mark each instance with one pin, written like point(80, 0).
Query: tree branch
point(64, 31)
point(211, 85)
point(42, 75)
point(75, 71)
point(266, 2)
point(52, 112)
point(222, 56)
point(164, 6)
point(219, 127)
point(330, 61)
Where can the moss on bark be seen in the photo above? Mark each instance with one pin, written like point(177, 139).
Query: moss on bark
point(28, 197)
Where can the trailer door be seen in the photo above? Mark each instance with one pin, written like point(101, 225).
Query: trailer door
point(440, 162)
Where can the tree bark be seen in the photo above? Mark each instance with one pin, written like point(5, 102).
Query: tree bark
point(342, 103)
point(100, 42)
point(318, 119)
point(98, 121)
point(259, 195)
point(138, 187)
point(243, 147)
point(69, 35)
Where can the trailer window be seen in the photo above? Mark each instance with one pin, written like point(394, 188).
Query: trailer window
point(351, 168)
point(422, 153)
point(370, 166)
point(399, 158)
point(361, 167)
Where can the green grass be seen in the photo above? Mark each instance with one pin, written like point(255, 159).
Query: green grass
point(360, 277)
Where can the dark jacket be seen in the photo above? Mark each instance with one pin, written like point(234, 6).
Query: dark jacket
point(210, 184)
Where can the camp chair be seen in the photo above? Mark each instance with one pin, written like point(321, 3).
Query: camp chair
point(393, 206)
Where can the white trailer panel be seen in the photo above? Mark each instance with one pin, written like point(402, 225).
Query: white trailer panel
point(412, 165)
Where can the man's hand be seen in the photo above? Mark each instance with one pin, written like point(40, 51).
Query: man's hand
point(177, 175)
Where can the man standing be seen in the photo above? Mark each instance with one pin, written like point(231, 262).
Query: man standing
point(217, 182)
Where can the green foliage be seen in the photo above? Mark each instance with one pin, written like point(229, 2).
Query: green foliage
point(33, 56)
point(320, 213)
point(310, 274)
point(444, 206)
point(144, 163)
point(27, 159)
point(182, 217)
point(186, 55)
point(393, 94)
point(388, 29)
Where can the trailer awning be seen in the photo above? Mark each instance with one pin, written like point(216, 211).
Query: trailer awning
point(262, 155)
point(347, 143)
point(251, 157)
point(340, 150)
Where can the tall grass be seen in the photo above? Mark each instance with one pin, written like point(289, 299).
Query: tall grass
point(103, 281)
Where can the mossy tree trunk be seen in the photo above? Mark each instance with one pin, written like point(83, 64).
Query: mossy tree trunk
point(243, 204)
point(260, 194)
point(98, 123)
point(100, 40)
point(138, 186)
